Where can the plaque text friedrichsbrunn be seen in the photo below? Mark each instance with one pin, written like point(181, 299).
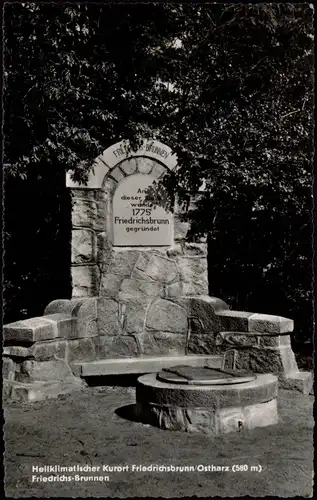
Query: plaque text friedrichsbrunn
point(136, 222)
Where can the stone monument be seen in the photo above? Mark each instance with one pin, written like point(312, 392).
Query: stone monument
point(122, 244)
point(139, 294)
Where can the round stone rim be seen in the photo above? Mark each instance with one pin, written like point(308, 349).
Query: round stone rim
point(174, 375)
point(151, 390)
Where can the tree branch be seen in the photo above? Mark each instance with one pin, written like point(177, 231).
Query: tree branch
point(291, 113)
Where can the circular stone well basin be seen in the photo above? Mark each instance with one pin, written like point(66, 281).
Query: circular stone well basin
point(203, 375)
point(215, 408)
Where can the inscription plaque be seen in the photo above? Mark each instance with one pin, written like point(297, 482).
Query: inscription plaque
point(136, 222)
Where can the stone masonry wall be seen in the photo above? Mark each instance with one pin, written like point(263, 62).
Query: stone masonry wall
point(42, 351)
point(99, 269)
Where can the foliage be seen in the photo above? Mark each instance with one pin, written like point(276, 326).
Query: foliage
point(228, 86)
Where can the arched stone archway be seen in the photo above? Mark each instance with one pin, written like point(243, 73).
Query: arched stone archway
point(121, 247)
point(108, 163)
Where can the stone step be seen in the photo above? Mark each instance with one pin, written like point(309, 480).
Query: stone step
point(146, 364)
point(300, 381)
point(39, 391)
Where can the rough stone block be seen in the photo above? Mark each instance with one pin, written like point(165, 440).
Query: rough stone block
point(177, 250)
point(237, 339)
point(259, 394)
point(229, 420)
point(200, 420)
point(137, 274)
point(40, 351)
point(85, 280)
point(108, 188)
point(261, 415)
point(197, 288)
point(161, 269)
point(192, 269)
point(101, 216)
point(181, 228)
point(84, 213)
point(40, 391)
point(8, 368)
point(61, 306)
point(270, 324)
point(234, 321)
point(32, 370)
point(116, 347)
point(266, 361)
point(83, 193)
point(75, 307)
point(86, 314)
point(6, 391)
point(117, 174)
point(81, 350)
point(158, 170)
point(274, 340)
point(163, 417)
point(193, 273)
point(273, 360)
point(297, 381)
point(47, 350)
point(91, 329)
point(123, 262)
point(175, 289)
point(285, 340)
point(66, 324)
point(30, 330)
point(129, 167)
point(242, 360)
point(83, 246)
point(144, 165)
point(196, 326)
point(162, 343)
point(104, 248)
point(86, 308)
point(195, 249)
point(109, 317)
point(142, 261)
point(17, 351)
point(83, 312)
point(110, 285)
point(201, 344)
point(289, 360)
point(167, 316)
point(182, 419)
point(204, 308)
point(136, 288)
point(135, 316)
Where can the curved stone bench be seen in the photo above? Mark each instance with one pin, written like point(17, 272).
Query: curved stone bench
point(104, 336)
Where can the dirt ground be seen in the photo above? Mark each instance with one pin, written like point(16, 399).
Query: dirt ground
point(92, 428)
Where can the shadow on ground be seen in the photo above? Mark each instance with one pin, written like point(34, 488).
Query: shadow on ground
point(113, 380)
point(129, 412)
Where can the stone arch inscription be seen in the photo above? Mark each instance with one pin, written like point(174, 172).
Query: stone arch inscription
point(106, 263)
point(105, 164)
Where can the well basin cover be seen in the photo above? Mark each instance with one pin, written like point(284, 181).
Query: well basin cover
point(203, 375)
